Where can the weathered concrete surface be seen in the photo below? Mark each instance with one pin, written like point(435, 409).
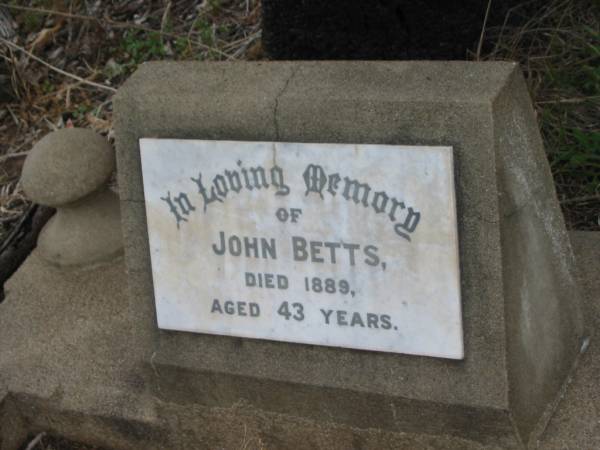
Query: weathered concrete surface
point(576, 423)
point(68, 345)
point(67, 165)
point(68, 340)
point(84, 232)
point(542, 316)
point(74, 369)
point(483, 111)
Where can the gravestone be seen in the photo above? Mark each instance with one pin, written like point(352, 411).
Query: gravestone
point(372, 244)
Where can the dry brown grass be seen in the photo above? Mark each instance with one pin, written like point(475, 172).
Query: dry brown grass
point(98, 49)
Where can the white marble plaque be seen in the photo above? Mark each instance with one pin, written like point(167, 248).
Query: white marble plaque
point(328, 244)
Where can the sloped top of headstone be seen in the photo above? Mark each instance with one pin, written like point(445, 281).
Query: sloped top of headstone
point(66, 165)
point(422, 81)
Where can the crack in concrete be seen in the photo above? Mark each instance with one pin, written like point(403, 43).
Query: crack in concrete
point(155, 370)
point(278, 96)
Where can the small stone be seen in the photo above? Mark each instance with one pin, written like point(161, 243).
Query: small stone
point(67, 165)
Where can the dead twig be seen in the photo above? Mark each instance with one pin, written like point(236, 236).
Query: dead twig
point(12, 114)
point(165, 18)
point(568, 100)
point(485, 19)
point(35, 441)
point(54, 68)
point(66, 89)
point(582, 199)
point(46, 35)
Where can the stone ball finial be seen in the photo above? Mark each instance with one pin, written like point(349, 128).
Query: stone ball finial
point(69, 169)
point(67, 165)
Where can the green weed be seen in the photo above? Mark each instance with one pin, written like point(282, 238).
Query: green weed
point(205, 30)
point(559, 52)
point(138, 47)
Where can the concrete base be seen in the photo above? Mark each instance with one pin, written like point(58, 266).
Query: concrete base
point(70, 347)
point(66, 239)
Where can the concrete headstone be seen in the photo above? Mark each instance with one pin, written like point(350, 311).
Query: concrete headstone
point(521, 321)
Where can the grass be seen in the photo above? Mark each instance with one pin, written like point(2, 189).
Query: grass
point(559, 51)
